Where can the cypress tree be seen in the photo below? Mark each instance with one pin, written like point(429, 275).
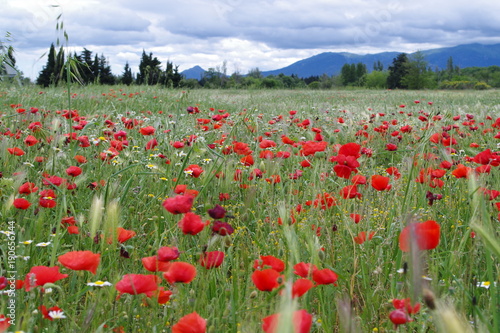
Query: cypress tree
point(45, 77)
point(86, 68)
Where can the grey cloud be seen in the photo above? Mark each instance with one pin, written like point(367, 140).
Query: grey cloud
point(109, 18)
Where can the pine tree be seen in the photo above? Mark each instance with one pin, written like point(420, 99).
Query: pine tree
point(86, 68)
point(60, 70)
point(127, 77)
point(149, 70)
point(172, 77)
point(397, 71)
point(105, 75)
point(378, 66)
point(95, 69)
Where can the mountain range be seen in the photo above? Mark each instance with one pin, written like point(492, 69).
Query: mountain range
point(330, 63)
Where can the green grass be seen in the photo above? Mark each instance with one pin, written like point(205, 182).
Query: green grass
point(137, 181)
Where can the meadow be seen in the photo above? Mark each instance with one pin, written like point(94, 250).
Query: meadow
point(140, 209)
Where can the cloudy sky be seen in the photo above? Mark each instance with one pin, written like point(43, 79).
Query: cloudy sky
point(246, 33)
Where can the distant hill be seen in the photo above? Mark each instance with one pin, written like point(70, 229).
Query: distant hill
point(195, 72)
point(330, 63)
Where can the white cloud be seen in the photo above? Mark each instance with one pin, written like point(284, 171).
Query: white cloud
point(261, 33)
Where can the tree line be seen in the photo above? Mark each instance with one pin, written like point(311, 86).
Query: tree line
point(405, 72)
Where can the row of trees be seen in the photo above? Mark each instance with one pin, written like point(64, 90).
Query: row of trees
point(405, 72)
point(83, 68)
point(88, 69)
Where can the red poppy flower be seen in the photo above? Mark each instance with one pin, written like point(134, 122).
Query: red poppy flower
point(4, 323)
point(361, 237)
point(35, 126)
point(52, 180)
point(40, 275)
point(124, 234)
point(163, 295)
point(247, 160)
point(180, 271)
point(343, 171)
point(325, 276)
point(286, 140)
point(21, 203)
point(264, 144)
point(355, 217)
point(266, 154)
point(80, 261)
point(241, 148)
point(148, 130)
point(46, 312)
point(212, 259)
point(312, 147)
point(305, 163)
point(73, 171)
point(350, 192)
point(266, 280)
point(301, 286)
point(45, 202)
point(461, 171)
point(304, 269)
point(180, 189)
point(224, 196)
point(274, 179)
point(381, 183)
point(426, 235)
point(177, 144)
point(393, 171)
point(405, 304)
point(166, 253)
point(27, 188)
point(270, 261)
point(391, 147)
point(399, 317)
point(16, 151)
point(135, 284)
point(194, 170)
point(152, 264)
point(302, 322)
point(191, 323)
point(191, 224)
point(179, 204)
point(350, 149)
point(30, 140)
point(151, 144)
point(358, 180)
point(324, 201)
point(48, 194)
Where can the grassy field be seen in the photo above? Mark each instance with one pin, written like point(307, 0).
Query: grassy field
point(317, 201)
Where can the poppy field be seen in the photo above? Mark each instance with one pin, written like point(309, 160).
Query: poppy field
point(140, 209)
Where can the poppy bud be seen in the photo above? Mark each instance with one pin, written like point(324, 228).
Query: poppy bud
point(429, 299)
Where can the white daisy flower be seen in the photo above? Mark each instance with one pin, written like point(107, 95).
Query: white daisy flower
point(57, 314)
point(99, 284)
